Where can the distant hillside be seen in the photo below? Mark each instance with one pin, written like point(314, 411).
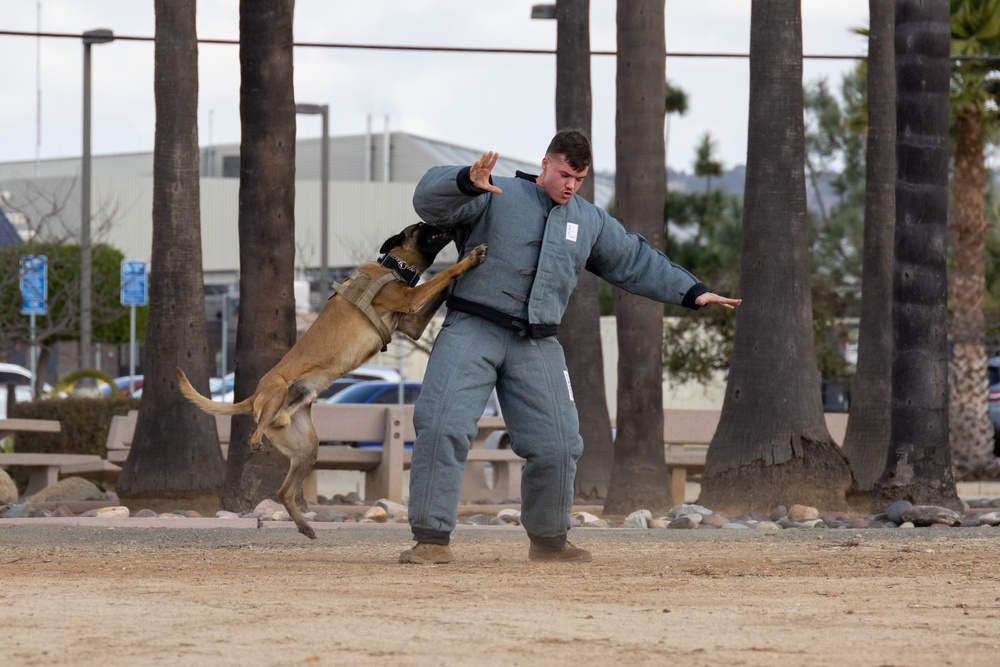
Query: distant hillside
point(733, 180)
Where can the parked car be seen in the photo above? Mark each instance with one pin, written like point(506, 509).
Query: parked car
point(21, 378)
point(363, 373)
point(222, 388)
point(123, 385)
point(374, 392)
point(993, 372)
point(378, 392)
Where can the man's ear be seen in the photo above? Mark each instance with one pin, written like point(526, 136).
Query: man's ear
point(392, 242)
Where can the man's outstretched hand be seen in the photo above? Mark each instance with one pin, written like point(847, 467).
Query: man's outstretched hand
point(479, 172)
point(708, 297)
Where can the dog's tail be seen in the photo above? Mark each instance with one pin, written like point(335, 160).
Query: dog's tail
point(244, 407)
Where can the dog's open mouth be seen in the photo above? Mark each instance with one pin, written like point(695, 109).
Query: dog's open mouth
point(440, 236)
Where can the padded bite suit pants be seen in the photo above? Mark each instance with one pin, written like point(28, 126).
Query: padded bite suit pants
point(470, 356)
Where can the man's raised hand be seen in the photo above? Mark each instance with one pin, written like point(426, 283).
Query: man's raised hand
point(479, 172)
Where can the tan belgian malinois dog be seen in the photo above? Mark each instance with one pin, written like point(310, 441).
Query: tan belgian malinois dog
point(378, 298)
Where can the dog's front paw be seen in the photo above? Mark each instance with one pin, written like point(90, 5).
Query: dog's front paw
point(478, 254)
point(257, 446)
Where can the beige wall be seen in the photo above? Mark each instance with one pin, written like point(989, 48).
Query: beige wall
point(687, 395)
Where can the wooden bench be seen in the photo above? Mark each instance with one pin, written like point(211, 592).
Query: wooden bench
point(392, 425)
point(687, 434)
point(43, 469)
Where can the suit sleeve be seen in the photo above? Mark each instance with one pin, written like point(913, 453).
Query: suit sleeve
point(445, 197)
point(628, 261)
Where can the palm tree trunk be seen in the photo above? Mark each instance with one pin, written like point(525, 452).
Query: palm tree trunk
point(266, 328)
point(580, 333)
point(639, 472)
point(866, 443)
point(918, 467)
point(175, 460)
point(772, 446)
point(971, 429)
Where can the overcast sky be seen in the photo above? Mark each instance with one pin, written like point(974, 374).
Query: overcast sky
point(484, 101)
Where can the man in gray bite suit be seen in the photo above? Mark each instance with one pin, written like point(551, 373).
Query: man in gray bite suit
point(501, 328)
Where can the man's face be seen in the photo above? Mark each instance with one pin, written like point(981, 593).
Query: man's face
point(560, 180)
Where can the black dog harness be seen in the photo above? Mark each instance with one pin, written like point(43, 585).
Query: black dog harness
point(363, 288)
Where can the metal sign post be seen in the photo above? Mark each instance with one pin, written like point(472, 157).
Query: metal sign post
point(134, 293)
point(34, 295)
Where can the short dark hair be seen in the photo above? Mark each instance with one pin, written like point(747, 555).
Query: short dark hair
point(573, 146)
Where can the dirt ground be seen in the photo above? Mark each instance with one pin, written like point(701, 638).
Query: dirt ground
point(97, 595)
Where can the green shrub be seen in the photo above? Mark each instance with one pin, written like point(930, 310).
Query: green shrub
point(85, 423)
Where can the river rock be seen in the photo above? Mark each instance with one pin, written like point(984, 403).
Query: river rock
point(63, 511)
point(659, 523)
point(683, 522)
point(330, 516)
point(145, 513)
point(990, 519)
point(513, 516)
point(69, 489)
point(377, 514)
point(801, 513)
point(224, 514)
point(638, 519)
point(392, 509)
point(768, 526)
point(926, 515)
point(119, 512)
point(8, 489)
point(688, 509)
point(268, 506)
point(18, 511)
point(584, 517)
point(477, 520)
point(714, 520)
point(895, 511)
point(779, 512)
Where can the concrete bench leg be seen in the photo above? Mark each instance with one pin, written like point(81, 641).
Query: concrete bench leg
point(507, 480)
point(474, 485)
point(309, 488)
point(41, 477)
point(386, 481)
point(678, 484)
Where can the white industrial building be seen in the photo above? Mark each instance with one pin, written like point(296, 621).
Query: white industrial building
point(370, 198)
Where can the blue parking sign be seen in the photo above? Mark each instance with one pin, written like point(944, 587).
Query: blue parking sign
point(34, 284)
point(133, 282)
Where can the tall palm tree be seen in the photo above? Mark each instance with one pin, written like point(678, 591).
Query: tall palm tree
point(639, 469)
point(918, 467)
point(266, 328)
point(175, 457)
point(975, 32)
point(676, 101)
point(866, 443)
point(772, 446)
point(581, 330)
point(705, 164)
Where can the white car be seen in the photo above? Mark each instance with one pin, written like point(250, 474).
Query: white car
point(20, 377)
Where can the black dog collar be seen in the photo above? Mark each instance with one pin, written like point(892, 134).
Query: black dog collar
point(405, 271)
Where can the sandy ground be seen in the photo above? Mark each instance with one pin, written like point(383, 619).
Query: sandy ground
point(102, 595)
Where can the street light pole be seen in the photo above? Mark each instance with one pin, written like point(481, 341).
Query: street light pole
point(324, 194)
point(99, 36)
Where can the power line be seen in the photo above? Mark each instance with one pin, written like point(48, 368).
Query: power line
point(431, 49)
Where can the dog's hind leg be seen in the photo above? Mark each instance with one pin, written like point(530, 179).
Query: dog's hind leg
point(268, 408)
point(299, 442)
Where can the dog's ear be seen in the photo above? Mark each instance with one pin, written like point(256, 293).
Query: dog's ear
point(392, 242)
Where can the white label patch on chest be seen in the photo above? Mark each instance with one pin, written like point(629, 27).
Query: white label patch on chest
point(571, 230)
point(569, 387)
